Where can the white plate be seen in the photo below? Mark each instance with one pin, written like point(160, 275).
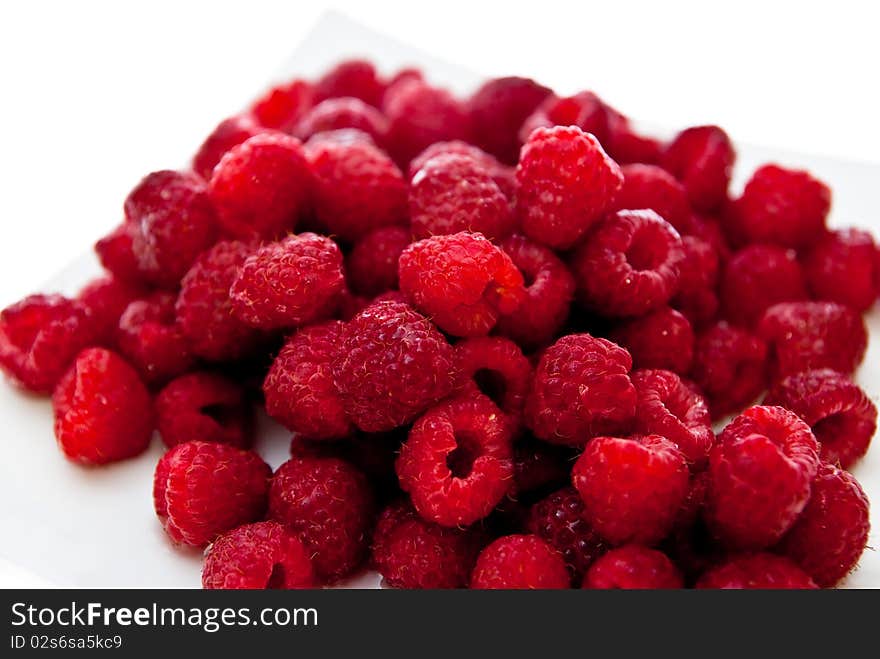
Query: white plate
point(69, 526)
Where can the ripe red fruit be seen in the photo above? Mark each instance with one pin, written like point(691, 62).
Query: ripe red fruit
point(502, 174)
point(842, 267)
point(105, 298)
point(702, 159)
point(341, 113)
point(633, 567)
point(696, 296)
point(649, 186)
point(371, 266)
point(498, 368)
point(228, 133)
point(115, 253)
point(761, 571)
point(661, 339)
point(281, 106)
point(520, 562)
point(352, 78)
point(584, 110)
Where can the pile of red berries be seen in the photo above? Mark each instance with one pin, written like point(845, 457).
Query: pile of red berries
point(499, 330)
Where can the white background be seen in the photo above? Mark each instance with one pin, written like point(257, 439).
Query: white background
point(96, 94)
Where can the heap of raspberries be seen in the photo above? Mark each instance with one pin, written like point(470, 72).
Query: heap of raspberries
point(500, 330)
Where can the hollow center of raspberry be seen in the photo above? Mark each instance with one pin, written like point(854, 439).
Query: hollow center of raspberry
point(833, 428)
point(644, 252)
point(492, 383)
point(461, 459)
point(224, 415)
point(276, 578)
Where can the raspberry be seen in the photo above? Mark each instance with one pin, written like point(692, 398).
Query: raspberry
point(499, 370)
point(584, 110)
point(566, 181)
point(339, 113)
point(371, 265)
point(669, 407)
point(831, 533)
point(559, 520)
point(280, 107)
point(628, 147)
point(549, 292)
point(842, 267)
point(761, 571)
point(803, 336)
point(660, 339)
point(261, 186)
point(702, 159)
point(357, 188)
point(457, 462)
point(419, 115)
point(103, 412)
point(104, 299)
point(352, 78)
point(328, 504)
point(730, 367)
point(299, 389)
point(339, 136)
point(173, 221)
point(452, 193)
point(781, 206)
point(203, 489)
point(629, 264)
point(393, 364)
point(690, 545)
point(632, 488)
point(412, 553)
point(759, 477)
point(290, 283)
point(350, 304)
point(756, 278)
point(39, 338)
point(204, 310)
point(698, 276)
point(520, 562)
point(462, 281)
point(498, 108)
point(502, 174)
point(581, 389)
point(228, 133)
point(204, 406)
point(257, 556)
point(633, 567)
point(149, 337)
point(649, 186)
point(115, 253)
point(840, 414)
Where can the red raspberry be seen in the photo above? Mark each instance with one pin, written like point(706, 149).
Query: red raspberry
point(503, 175)
point(339, 136)
point(498, 368)
point(633, 567)
point(559, 519)
point(291, 283)
point(549, 292)
point(660, 339)
point(412, 553)
point(103, 412)
point(629, 264)
point(756, 278)
point(299, 389)
point(832, 532)
point(649, 186)
point(581, 389)
point(393, 364)
point(702, 159)
point(261, 186)
point(371, 265)
point(803, 336)
point(565, 184)
point(520, 562)
point(419, 115)
point(628, 147)
point(280, 107)
point(203, 489)
point(462, 281)
point(204, 406)
point(173, 221)
point(842, 267)
point(344, 112)
point(149, 337)
point(115, 253)
point(632, 488)
point(730, 367)
point(498, 108)
point(759, 477)
point(690, 545)
point(228, 133)
point(350, 304)
point(671, 408)
point(698, 275)
point(457, 462)
point(785, 207)
point(357, 188)
point(758, 571)
point(104, 299)
point(329, 505)
point(353, 78)
point(39, 338)
point(204, 310)
point(263, 555)
point(452, 193)
point(840, 414)
point(584, 110)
